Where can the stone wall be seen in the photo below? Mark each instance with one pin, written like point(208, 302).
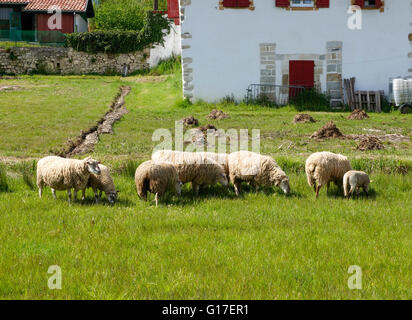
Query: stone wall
point(69, 61)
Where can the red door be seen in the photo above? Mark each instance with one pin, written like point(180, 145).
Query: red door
point(301, 73)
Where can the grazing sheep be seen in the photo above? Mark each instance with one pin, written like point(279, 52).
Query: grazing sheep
point(257, 169)
point(324, 167)
point(156, 178)
point(194, 167)
point(65, 174)
point(102, 183)
point(353, 181)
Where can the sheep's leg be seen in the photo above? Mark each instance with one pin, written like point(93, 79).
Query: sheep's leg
point(40, 192)
point(366, 189)
point(314, 187)
point(317, 191)
point(83, 194)
point(237, 188)
point(96, 196)
point(69, 195)
point(54, 194)
point(157, 199)
point(195, 188)
point(75, 195)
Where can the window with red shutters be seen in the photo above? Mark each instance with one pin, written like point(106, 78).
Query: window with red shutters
point(369, 4)
point(322, 3)
point(236, 4)
point(302, 4)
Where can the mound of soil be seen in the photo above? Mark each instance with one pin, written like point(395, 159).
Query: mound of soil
point(329, 130)
point(303, 118)
point(207, 127)
point(358, 114)
point(190, 121)
point(370, 143)
point(217, 115)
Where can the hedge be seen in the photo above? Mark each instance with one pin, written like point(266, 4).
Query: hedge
point(119, 41)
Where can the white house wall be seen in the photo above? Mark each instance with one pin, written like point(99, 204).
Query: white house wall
point(222, 49)
point(171, 47)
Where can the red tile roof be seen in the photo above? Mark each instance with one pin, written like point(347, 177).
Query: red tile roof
point(44, 5)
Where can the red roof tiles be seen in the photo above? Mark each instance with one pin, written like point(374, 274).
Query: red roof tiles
point(44, 5)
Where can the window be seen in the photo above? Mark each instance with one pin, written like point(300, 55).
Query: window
point(302, 4)
point(236, 4)
point(369, 4)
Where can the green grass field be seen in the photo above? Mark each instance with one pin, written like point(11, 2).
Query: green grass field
point(260, 246)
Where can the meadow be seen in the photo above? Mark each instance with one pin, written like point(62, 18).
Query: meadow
point(260, 246)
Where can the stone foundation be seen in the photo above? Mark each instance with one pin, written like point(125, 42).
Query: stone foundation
point(68, 61)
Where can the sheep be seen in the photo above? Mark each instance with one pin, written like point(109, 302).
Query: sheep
point(353, 181)
point(324, 167)
point(194, 167)
point(256, 169)
point(102, 183)
point(65, 174)
point(156, 178)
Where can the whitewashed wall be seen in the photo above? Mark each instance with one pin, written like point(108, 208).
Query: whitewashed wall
point(172, 46)
point(81, 24)
point(221, 48)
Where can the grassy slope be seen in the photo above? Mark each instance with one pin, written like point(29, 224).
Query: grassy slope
point(45, 111)
point(216, 246)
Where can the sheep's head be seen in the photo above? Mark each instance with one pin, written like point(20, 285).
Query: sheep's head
point(284, 185)
point(112, 196)
point(92, 166)
point(178, 187)
point(222, 179)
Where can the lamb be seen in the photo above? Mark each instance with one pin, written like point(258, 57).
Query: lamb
point(102, 183)
point(65, 174)
point(353, 181)
point(194, 167)
point(156, 178)
point(324, 167)
point(256, 169)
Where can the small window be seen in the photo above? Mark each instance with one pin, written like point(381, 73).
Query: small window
point(302, 3)
point(236, 4)
point(369, 4)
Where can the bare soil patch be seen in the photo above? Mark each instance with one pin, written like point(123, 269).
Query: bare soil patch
point(358, 114)
point(88, 139)
point(190, 121)
point(329, 130)
point(303, 118)
point(207, 127)
point(9, 88)
point(370, 143)
point(217, 115)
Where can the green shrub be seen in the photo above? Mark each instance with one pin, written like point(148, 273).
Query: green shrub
point(311, 100)
point(121, 41)
point(4, 186)
point(183, 103)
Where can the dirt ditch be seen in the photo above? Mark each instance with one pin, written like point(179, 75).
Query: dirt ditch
point(86, 142)
point(303, 118)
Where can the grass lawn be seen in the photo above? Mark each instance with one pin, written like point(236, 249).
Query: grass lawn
point(260, 246)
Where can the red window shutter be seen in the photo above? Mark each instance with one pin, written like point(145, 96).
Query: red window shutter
point(379, 4)
point(282, 3)
point(360, 3)
point(173, 9)
point(236, 3)
point(322, 3)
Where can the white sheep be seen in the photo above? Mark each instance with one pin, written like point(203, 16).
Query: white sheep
point(65, 174)
point(256, 169)
point(102, 183)
point(157, 179)
point(193, 167)
point(353, 181)
point(322, 168)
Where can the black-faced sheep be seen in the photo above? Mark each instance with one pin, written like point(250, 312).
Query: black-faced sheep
point(256, 169)
point(322, 168)
point(65, 174)
point(353, 181)
point(157, 179)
